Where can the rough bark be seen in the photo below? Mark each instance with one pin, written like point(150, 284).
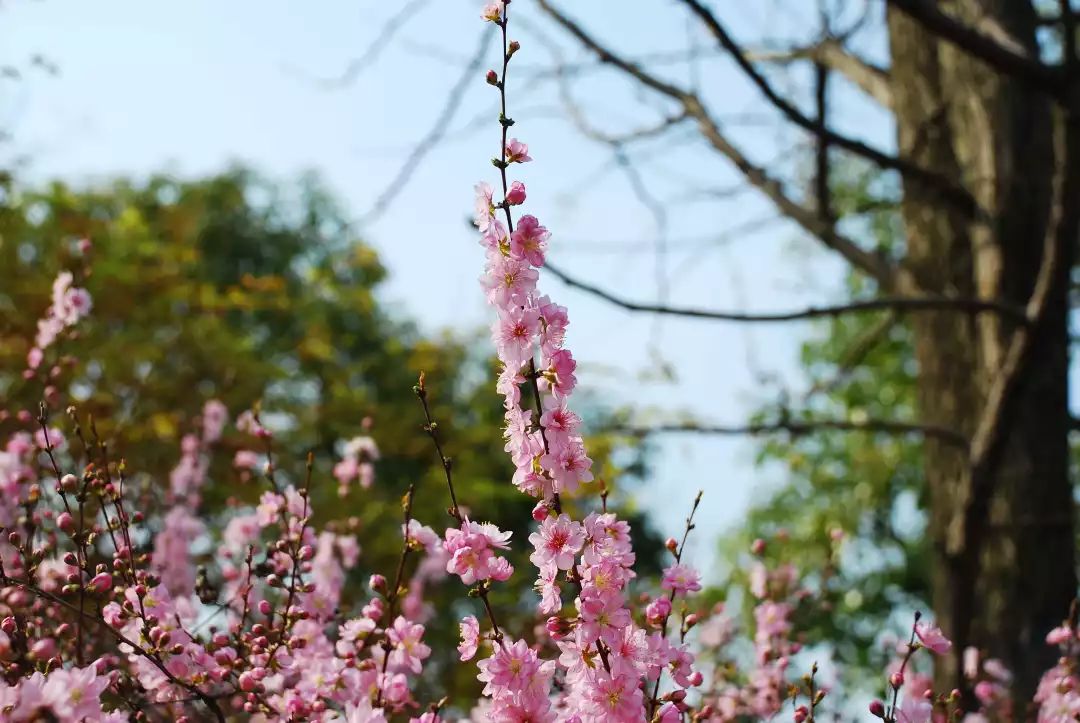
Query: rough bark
point(957, 117)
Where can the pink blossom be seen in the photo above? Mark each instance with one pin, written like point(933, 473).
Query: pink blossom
point(409, 652)
point(509, 282)
point(560, 372)
point(516, 195)
point(484, 209)
point(658, 611)
point(470, 637)
point(558, 541)
point(517, 152)
point(492, 12)
point(515, 334)
point(529, 240)
point(681, 579)
point(914, 710)
point(932, 637)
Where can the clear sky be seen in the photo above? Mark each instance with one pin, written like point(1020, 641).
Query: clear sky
point(189, 87)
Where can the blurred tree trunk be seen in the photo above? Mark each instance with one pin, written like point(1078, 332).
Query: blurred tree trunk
point(966, 121)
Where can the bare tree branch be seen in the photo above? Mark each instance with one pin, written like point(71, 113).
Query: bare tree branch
point(897, 304)
point(1006, 59)
point(872, 264)
point(949, 189)
point(437, 131)
point(798, 428)
point(867, 77)
point(371, 53)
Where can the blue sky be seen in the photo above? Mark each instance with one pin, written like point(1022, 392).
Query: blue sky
point(189, 87)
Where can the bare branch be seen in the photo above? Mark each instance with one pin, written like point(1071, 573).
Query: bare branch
point(800, 428)
point(867, 77)
point(437, 131)
point(875, 265)
point(371, 53)
point(1005, 58)
point(949, 189)
point(897, 304)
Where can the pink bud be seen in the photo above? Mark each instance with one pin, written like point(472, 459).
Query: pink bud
point(540, 512)
point(657, 611)
point(247, 681)
point(69, 483)
point(492, 78)
point(516, 195)
point(101, 582)
point(877, 708)
point(696, 679)
point(264, 607)
point(671, 544)
point(377, 582)
point(757, 546)
point(801, 714)
point(8, 625)
point(65, 522)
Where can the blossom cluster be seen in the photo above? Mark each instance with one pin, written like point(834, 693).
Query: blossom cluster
point(110, 613)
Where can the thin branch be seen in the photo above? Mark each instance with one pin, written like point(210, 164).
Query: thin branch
point(435, 133)
point(382, 39)
point(802, 428)
point(896, 304)
point(871, 79)
point(950, 190)
point(1001, 57)
point(875, 265)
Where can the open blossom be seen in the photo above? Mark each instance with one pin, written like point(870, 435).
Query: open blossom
point(568, 464)
point(409, 651)
point(514, 333)
point(558, 542)
point(932, 637)
point(517, 152)
point(493, 11)
point(681, 579)
point(914, 710)
point(508, 282)
point(514, 667)
point(484, 208)
point(471, 549)
point(529, 240)
point(470, 637)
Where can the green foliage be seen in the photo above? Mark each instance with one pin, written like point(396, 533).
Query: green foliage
point(868, 485)
point(236, 289)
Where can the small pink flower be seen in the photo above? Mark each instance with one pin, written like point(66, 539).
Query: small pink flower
point(470, 637)
point(517, 152)
point(516, 195)
point(492, 12)
point(529, 240)
point(681, 579)
point(657, 611)
point(932, 638)
point(558, 541)
point(484, 209)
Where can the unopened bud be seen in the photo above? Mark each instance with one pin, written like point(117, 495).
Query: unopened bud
point(492, 78)
point(877, 708)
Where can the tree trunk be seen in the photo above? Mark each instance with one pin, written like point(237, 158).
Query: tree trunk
point(967, 122)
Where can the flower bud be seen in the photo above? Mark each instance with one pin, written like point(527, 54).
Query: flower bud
point(516, 195)
point(69, 483)
point(492, 78)
point(102, 582)
point(264, 607)
point(801, 714)
point(513, 48)
point(377, 583)
point(657, 611)
point(877, 708)
point(896, 679)
point(757, 546)
point(671, 544)
point(8, 625)
point(65, 522)
point(541, 511)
